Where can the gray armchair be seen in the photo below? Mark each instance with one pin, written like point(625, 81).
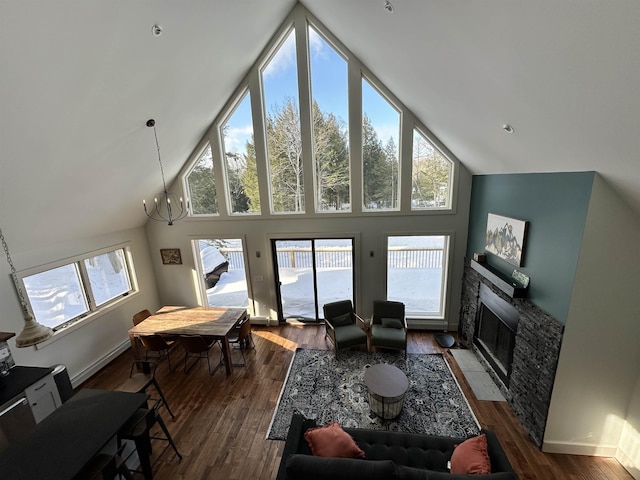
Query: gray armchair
point(343, 327)
point(389, 326)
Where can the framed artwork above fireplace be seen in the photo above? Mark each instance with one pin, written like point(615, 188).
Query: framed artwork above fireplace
point(505, 238)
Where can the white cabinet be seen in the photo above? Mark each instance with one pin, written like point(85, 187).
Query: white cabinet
point(43, 397)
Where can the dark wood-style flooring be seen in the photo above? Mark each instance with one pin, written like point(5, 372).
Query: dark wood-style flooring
point(221, 423)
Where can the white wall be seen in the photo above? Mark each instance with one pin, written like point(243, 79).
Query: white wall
point(599, 361)
point(629, 448)
point(176, 283)
point(87, 348)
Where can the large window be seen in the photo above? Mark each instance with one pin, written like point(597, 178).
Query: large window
point(284, 143)
point(240, 159)
point(330, 132)
point(224, 273)
point(416, 273)
point(63, 294)
point(380, 151)
point(327, 132)
point(202, 186)
point(430, 175)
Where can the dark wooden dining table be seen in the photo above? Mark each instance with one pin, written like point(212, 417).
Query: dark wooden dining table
point(170, 321)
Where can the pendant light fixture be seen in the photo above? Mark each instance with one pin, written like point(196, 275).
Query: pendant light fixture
point(33, 332)
point(168, 207)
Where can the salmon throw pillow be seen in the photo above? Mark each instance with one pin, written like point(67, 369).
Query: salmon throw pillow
point(471, 456)
point(332, 441)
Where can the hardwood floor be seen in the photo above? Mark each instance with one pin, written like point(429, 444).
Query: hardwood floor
point(221, 423)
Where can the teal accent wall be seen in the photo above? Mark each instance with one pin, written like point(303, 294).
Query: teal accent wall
point(555, 205)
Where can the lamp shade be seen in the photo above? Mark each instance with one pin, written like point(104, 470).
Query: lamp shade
point(32, 333)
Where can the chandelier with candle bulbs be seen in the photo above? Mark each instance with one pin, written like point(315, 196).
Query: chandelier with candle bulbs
point(167, 207)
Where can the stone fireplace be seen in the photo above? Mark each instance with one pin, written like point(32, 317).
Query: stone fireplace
point(518, 343)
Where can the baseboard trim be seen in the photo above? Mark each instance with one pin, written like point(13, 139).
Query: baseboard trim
point(580, 449)
point(628, 463)
point(96, 366)
point(427, 324)
point(262, 321)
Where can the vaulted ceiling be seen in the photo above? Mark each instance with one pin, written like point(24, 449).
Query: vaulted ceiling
point(79, 79)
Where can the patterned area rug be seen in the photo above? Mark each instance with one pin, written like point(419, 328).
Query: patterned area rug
point(321, 387)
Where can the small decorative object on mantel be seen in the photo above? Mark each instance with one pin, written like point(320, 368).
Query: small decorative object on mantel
point(505, 238)
point(480, 257)
point(171, 256)
point(520, 278)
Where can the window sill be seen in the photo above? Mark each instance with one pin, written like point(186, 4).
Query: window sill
point(84, 321)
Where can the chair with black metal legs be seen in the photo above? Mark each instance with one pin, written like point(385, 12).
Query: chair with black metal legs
point(157, 345)
point(138, 428)
point(241, 336)
point(140, 380)
point(105, 466)
point(197, 346)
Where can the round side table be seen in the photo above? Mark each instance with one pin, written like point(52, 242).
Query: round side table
point(387, 385)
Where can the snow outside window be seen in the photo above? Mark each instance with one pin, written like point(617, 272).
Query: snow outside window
point(61, 295)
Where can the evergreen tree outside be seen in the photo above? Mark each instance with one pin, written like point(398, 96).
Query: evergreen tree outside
point(250, 178)
point(202, 187)
point(331, 155)
point(376, 170)
point(284, 149)
point(430, 174)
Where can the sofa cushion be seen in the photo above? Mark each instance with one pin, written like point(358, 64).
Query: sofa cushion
point(388, 337)
point(332, 441)
point(304, 467)
point(471, 456)
point(410, 473)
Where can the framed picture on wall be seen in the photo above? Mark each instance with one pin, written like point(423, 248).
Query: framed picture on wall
point(171, 256)
point(505, 238)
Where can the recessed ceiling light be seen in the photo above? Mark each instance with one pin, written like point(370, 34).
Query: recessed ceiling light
point(508, 128)
point(388, 6)
point(156, 30)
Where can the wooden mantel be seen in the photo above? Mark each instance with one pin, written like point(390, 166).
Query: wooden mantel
point(499, 279)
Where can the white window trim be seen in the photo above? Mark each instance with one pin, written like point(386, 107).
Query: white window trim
point(94, 312)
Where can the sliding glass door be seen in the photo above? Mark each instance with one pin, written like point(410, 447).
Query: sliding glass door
point(310, 273)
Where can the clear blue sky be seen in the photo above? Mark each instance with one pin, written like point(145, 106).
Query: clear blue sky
point(329, 89)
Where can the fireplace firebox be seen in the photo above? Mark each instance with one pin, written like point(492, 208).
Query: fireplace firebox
point(495, 332)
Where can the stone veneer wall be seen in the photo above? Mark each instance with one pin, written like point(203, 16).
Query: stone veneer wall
point(535, 355)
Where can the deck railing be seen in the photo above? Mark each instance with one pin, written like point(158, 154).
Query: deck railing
point(341, 257)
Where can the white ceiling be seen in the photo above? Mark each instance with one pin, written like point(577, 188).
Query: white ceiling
point(80, 78)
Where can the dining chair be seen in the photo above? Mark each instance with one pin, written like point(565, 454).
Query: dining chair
point(198, 347)
point(140, 316)
point(105, 466)
point(158, 346)
point(138, 430)
point(142, 376)
point(240, 338)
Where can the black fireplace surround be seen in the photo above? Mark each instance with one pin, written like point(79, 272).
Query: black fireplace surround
point(495, 332)
point(523, 341)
